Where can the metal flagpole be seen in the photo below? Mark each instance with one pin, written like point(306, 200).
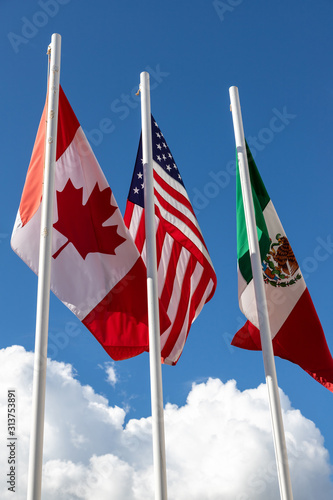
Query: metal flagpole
point(152, 292)
point(259, 287)
point(44, 274)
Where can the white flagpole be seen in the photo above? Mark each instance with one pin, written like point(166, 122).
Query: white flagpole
point(264, 326)
point(152, 292)
point(44, 274)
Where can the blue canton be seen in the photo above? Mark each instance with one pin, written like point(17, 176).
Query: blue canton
point(162, 156)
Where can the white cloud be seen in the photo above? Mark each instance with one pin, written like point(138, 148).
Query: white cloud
point(111, 373)
point(219, 444)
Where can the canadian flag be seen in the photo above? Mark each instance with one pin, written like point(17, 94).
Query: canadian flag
point(96, 269)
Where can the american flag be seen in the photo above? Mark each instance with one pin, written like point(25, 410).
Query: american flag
point(186, 277)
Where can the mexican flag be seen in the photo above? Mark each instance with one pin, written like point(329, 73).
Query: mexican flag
point(297, 334)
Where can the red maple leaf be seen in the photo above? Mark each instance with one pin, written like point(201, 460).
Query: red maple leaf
point(83, 224)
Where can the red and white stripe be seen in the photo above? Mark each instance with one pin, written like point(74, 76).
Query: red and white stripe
point(186, 277)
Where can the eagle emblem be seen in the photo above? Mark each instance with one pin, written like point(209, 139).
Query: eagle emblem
point(280, 267)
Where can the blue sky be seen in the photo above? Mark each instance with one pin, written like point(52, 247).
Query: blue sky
point(278, 55)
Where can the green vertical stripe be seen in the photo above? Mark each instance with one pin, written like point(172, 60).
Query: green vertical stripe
point(260, 200)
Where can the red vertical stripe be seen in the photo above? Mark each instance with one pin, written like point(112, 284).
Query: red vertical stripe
point(67, 124)
point(300, 340)
point(182, 311)
point(33, 188)
point(170, 274)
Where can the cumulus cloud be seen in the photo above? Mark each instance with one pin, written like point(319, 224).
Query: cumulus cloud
point(219, 444)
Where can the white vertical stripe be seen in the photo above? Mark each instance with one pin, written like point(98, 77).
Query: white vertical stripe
point(164, 262)
point(280, 301)
point(178, 282)
point(180, 342)
point(135, 221)
point(181, 339)
point(176, 291)
point(144, 253)
point(205, 295)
